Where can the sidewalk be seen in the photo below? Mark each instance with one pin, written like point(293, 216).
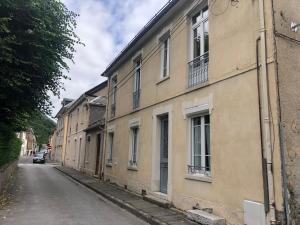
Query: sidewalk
point(133, 203)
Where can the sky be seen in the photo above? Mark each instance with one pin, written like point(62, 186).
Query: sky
point(105, 27)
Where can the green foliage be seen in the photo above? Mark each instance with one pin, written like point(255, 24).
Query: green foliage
point(10, 145)
point(36, 40)
point(42, 127)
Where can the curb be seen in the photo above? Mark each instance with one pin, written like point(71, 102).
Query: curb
point(140, 214)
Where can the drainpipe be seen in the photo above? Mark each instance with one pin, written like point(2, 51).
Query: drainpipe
point(271, 216)
point(101, 172)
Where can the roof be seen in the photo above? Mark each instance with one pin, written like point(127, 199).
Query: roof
point(157, 17)
point(98, 101)
point(88, 93)
point(64, 108)
point(96, 88)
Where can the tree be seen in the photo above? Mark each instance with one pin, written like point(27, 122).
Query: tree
point(42, 127)
point(36, 41)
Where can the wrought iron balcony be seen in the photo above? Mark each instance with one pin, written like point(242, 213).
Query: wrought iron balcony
point(136, 99)
point(198, 70)
point(199, 170)
point(132, 162)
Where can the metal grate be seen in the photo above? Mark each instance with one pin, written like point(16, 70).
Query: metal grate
point(198, 70)
point(199, 170)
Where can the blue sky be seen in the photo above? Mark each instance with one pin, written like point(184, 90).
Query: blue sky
point(105, 26)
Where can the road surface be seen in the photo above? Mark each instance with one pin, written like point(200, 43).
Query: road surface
point(44, 196)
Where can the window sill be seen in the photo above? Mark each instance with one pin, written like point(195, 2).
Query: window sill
point(109, 165)
point(132, 168)
point(197, 86)
point(198, 177)
point(162, 80)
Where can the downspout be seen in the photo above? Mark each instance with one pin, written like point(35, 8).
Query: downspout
point(101, 175)
point(281, 130)
point(271, 215)
point(264, 161)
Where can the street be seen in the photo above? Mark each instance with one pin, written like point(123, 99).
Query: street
point(44, 196)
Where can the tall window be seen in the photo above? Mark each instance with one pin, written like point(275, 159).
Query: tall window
point(110, 147)
point(137, 84)
point(200, 48)
point(200, 145)
point(165, 56)
point(114, 82)
point(134, 146)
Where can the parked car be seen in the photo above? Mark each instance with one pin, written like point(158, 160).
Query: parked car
point(44, 151)
point(39, 158)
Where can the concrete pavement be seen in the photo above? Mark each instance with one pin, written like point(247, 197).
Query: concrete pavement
point(43, 196)
point(135, 204)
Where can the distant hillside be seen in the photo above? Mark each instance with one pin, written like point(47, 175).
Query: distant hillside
point(42, 127)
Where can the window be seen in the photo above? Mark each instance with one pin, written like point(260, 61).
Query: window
point(110, 147)
point(137, 84)
point(114, 81)
point(200, 145)
point(165, 56)
point(198, 67)
point(134, 146)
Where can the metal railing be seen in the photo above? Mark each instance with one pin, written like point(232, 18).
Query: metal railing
point(199, 170)
point(198, 70)
point(136, 99)
point(132, 162)
point(113, 109)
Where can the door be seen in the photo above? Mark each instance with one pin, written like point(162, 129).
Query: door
point(98, 154)
point(164, 133)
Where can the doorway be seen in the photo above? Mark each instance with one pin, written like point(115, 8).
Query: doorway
point(98, 154)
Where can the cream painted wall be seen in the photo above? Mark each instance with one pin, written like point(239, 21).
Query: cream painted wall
point(232, 96)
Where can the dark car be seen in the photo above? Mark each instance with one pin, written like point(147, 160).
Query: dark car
point(39, 158)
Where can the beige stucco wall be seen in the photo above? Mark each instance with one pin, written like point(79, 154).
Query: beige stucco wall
point(78, 120)
point(91, 152)
point(288, 56)
point(233, 103)
point(78, 115)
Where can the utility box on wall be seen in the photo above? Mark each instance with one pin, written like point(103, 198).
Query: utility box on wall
point(254, 213)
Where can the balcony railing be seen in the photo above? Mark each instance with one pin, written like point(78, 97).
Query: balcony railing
point(136, 99)
point(113, 109)
point(198, 170)
point(198, 70)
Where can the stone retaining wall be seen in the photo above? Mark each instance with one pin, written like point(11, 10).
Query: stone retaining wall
point(5, 172)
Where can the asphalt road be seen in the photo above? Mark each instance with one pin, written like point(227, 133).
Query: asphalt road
point(44, 196)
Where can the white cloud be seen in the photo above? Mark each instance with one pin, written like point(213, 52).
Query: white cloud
point(105, 27)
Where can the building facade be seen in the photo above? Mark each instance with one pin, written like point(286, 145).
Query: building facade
point(194, 110)
point(78, 121)
point(22, 136)
point(287, 41)
point(93, 157)
point(61, 130)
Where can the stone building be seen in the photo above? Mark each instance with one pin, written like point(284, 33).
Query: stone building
point(203, 110)
point(79, 114)
point(61, 130)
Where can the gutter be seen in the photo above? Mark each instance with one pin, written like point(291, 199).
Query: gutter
point(267, 152)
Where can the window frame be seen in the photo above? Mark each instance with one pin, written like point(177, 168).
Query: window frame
point(200, 24)
point(137, 67)
point(206, 173)
point(114, 83)
point(164, 39)
point(134, 143)
point(110, 148)
point(137, 82)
